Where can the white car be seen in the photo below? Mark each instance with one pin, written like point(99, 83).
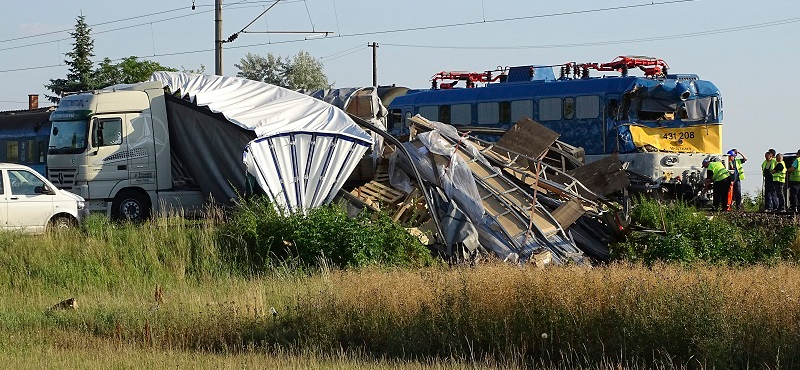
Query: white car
point(30, 203)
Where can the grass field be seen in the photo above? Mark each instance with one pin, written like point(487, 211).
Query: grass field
point(213, 311)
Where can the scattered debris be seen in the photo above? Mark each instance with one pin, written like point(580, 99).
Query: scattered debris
point(525, 199)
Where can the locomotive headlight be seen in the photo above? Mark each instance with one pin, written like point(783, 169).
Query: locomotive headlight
point(669, 160)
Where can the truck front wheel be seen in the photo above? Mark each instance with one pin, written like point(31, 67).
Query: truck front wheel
point(131, 205)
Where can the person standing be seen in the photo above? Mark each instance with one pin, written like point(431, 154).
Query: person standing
point(794, 184)
point(778, 183)
point(735, 168)
point(721, 179)
point(766, 170)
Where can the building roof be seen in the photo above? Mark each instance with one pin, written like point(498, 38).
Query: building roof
point(23, 122)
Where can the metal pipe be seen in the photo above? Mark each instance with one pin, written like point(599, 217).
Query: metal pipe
point(425, 191)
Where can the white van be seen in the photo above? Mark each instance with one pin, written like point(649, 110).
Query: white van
point(30, 203)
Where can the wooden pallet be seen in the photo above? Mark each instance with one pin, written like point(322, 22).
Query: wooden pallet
point(382, 193)
point(412, 210)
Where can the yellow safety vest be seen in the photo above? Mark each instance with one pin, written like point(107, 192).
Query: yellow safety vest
point(768, 165)
point(779, 176)
point(795, 175)
point(737, 163)
point(719, 171)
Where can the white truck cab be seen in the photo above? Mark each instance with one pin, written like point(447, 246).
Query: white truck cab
point(30, 203)
point(111, 147)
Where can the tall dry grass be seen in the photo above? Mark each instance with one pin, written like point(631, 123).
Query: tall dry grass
point(616, 316)
point(620, 315)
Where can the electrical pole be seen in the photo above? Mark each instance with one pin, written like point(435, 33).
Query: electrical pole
point(218, 37)
point(374, 47)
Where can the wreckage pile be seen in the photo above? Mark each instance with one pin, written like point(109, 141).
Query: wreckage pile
point(526, 198)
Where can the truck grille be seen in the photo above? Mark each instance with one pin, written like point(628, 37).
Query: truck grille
point(63, 178)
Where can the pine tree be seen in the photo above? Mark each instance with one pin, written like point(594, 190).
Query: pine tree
point(79, 60)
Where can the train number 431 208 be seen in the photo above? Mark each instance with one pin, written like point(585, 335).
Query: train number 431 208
point(678, 135)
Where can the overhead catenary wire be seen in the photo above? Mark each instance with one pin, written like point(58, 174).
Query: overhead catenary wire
point(500, 20)
point(612, 42)
point(343, 55)
point(339, 35)
point(230, 6)
point(655, 38)
point(244, 29)
point(336, 15)
point(309, 15)
point(343, 51)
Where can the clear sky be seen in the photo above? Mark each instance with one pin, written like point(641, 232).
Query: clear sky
point(746, 48)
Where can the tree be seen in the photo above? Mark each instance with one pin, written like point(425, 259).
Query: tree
point(128, 71)
point(305, 72)
point(302, 72)
point(82, 76)
point(79, 60)
point(257, 68)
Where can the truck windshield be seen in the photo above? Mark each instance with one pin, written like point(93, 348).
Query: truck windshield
point(68, 137)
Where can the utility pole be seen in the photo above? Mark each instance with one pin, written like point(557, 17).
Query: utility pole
point(374, 47)
point(218, 37)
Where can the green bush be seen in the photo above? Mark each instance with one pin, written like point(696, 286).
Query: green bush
point(258, 236)
point(689, 236)
point(753, 203)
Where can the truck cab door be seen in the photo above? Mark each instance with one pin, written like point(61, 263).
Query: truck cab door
point(141, 159)
point(108, 155)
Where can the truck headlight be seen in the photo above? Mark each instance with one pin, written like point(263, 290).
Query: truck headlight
point(81, 204)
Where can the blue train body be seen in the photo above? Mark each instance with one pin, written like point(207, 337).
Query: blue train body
point(662, 125)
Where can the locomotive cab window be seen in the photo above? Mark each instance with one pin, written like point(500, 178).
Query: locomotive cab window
point(550, 109)
point(444, 114)
point(656, 109)
point(587, 107)
point(613, 107)
point(488, 113)
point(521, 109)
point(461, 114)
point(569, 108)
point(430, 112)
point(505, 112)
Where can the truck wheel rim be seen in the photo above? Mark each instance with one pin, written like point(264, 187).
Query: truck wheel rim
point(131, 209)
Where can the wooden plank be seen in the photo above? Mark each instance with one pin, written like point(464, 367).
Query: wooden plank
point(568, 212)
point(529, 138)
point(603, 177)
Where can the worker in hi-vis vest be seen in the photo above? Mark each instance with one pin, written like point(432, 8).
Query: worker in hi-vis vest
point(719, 176)
point(779, 182)
point(794, 184)
point(766, 170)
point(736, 170)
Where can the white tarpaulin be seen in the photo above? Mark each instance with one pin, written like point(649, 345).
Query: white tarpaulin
point(304, 148)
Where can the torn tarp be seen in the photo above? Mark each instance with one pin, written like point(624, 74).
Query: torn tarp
point(508, 220)
point(304, 148)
